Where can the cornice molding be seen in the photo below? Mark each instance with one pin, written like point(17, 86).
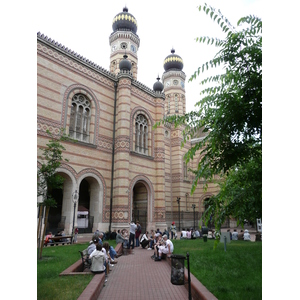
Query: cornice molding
point(74, 55)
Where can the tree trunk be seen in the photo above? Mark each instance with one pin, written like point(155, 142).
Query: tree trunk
point(39, 228)
point(44, 232)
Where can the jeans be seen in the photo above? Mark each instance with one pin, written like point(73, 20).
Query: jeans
point(112, 252)
point(131, 239)
point(151, 244)
point(137, 242)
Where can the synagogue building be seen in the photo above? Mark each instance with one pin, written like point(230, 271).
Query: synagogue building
point(121, 166)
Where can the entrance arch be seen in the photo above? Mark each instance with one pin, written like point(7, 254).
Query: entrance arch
point(140, 204)
point(60, 218)
point(142, 201)
point(91, 195)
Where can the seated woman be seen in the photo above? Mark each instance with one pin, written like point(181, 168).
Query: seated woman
point(122, 238)
point(247, 235)
point(98, 259)
point(145, 240)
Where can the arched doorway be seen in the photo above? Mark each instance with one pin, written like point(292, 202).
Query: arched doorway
point(140, 205)
point(84, 222)
point(91, 194)
point(89, 210)
point(57, 215)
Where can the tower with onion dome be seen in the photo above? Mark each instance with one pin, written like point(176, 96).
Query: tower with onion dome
point(124, 41)
point(173, 80)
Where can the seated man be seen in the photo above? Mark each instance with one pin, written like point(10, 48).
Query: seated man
point(152, 240)
point(92, 246)
point(234, 235)
point(167, 248)
point(183, 234)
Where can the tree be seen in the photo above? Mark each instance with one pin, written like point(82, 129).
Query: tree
point(230, 113)
point(48, 179)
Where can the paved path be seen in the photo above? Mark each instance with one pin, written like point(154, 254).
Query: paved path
point(136, 276)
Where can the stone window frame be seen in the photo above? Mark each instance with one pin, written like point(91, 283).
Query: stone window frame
point(94, 109)
point(150, 133)
point(80, 118)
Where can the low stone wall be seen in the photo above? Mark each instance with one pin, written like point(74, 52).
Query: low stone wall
point(198, 290)
point(75, 269)
point(92, 291)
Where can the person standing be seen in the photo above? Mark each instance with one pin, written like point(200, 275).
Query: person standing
point(137, 234)
point(173, 230)
point(75, 235)
point(133, 227)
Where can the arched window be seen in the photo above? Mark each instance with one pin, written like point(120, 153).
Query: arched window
point(141, 134)
point(169, 104)
point(80, 118)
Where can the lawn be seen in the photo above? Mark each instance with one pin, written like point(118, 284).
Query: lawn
point(51, 286)
point(234, 274)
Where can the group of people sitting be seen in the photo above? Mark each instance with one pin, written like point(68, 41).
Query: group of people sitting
point(241, 236)
point(101, 255)
point(49, 236)
point(157, 241)
point(189, 234)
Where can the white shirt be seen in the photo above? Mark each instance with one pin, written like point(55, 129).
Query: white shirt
point(144, 237)
point(133, 227)
point(235, 236)
point(104, 251)
point(247, 236)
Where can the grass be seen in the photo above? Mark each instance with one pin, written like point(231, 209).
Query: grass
point(51, 286)
point(234, 274)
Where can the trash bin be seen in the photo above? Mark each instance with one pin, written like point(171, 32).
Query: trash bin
point(205, 238)
point(177, 269)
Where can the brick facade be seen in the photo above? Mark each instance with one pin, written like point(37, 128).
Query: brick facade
point(147, 182)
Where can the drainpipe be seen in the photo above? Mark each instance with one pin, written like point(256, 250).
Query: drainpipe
point(113, 159)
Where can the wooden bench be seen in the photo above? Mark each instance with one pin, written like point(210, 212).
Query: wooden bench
point(86, 262)
point(56, 240)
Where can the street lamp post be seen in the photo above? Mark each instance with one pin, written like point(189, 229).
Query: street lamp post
point(178, 201)
point(193, 206)
point(75, 198)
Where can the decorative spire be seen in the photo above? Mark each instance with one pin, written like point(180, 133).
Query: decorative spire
point(158, 86)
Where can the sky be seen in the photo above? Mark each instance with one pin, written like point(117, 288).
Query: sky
point(85, 27)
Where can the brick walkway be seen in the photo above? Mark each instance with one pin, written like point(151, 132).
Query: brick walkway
point(136, 276)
